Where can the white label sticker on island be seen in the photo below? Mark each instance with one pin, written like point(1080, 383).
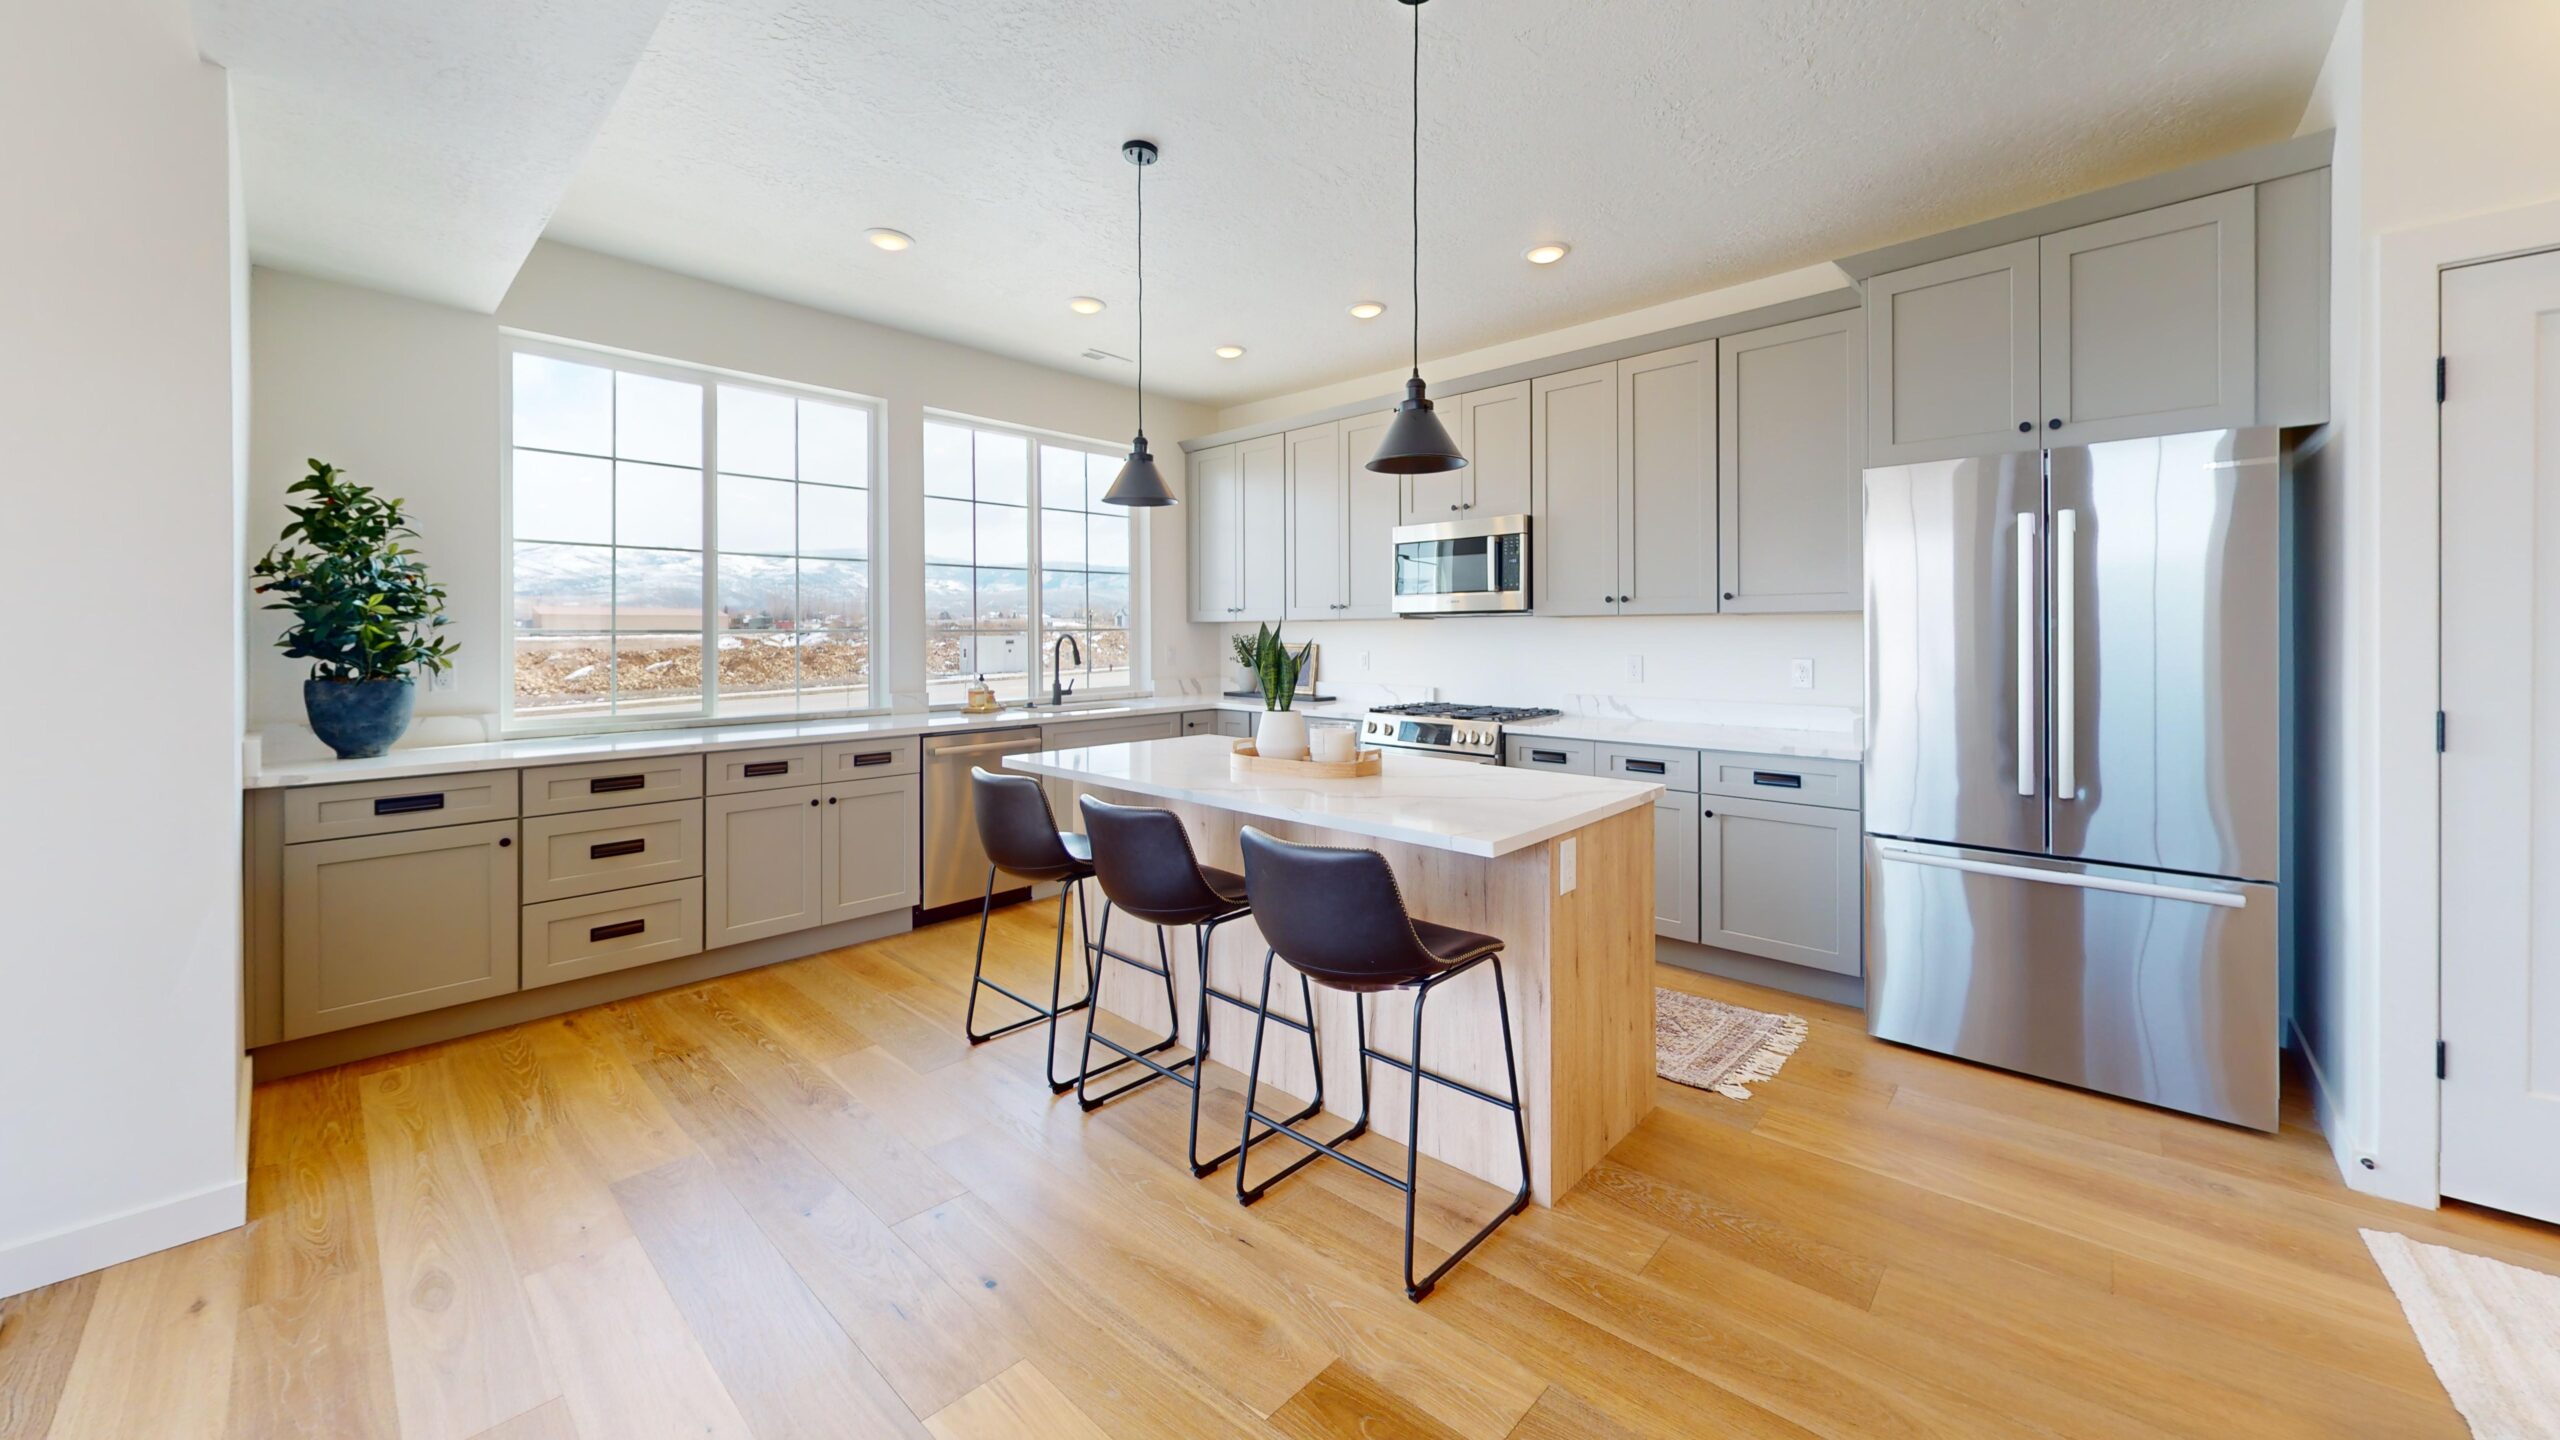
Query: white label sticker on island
point(1564, 866)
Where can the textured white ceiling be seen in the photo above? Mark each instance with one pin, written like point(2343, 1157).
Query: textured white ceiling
point(416, 147)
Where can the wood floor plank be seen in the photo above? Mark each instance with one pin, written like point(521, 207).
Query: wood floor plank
point(847, 982)
point(805, 1026)
point(1342, 1401)
point(1020, 1404)
point(156, 1354)
point(931, 1345)
point(597, 1098)
point(463, 1353)
point(552, 1203)
point(501, 1083)
point(315, 1364)
point(39, 1335)
point(790, 1367)
point(546, 1422)
point(628, 1364)
point(1562, 1415)
point(924, 1111)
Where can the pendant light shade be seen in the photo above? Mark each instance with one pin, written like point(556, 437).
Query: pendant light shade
point(1416, 442)
point(1139, 481)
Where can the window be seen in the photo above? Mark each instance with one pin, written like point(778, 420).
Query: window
point(641, 592)
point(1006, 519)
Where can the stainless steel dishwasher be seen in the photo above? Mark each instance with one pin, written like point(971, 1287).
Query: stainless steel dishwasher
point(955, 864)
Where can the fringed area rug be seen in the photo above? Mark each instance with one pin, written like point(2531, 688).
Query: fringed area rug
point(2490, 1329)
point(1719, 1047)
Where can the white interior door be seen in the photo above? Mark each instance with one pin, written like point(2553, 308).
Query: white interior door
point(2501, 791)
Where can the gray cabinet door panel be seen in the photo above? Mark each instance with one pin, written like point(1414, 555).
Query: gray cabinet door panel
point(1575, 535)
point(1667, 482)
point(380, 926)
point(1951, 358)
point(1215, 511)
point(1780, 881)
point(761, 864)
point(1675, 866)
point(870, 852)
point(1262, 528)
point(1431, 499)
point(1500, 476)
point(1790, 447)
point(2150, 322)
point(1371, 506)
point(1313, 458)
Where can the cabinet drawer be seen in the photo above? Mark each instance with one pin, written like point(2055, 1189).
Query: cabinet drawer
point(381, 807)
point(1572, 757)
point(380, 926)
point(1788, 779)
point(1670, 769)
point(760, 770)
point(598, 850)
point(559, 789)
point(594, 934)
point(867, 759)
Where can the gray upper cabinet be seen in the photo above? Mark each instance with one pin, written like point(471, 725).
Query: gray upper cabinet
point(1429, 499)
point(1788, 456)
point(1369, 516)
point(1313, 462)
point(1217, 594)
point(1576, 534)
point(2150, 322)
point(1952, 350)
point(1239, 524)
point(1667, 482)
point(1493, 430)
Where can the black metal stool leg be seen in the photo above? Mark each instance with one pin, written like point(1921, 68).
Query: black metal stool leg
point(1316, 1149)
point(1200, 1053)
point(1039, 1013)
point(1086, 1069)
point(1071, 891)
point(1413, 1289)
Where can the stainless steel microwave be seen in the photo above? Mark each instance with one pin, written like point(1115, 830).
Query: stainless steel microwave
point(1463, 567)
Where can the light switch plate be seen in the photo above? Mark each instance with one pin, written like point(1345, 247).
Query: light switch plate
point(1564, 866)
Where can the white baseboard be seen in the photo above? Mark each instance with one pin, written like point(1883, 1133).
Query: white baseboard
point(2344, 1146)
point(119, 1238)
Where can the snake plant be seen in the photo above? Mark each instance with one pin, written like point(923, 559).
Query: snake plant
point(1273, 667)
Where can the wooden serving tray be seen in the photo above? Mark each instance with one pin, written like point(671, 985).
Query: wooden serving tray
point(1248, 761)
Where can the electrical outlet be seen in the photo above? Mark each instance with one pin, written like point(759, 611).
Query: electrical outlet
point(1635, 668)
point(1364, 662)
point(1565, 878)
point(440, 679)
point(1800, 674)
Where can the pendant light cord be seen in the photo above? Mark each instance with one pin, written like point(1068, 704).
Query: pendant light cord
point(1142, 300)
point(1416, 7)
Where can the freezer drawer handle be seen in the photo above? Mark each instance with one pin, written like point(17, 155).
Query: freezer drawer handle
point(1645, 767)
point(607, 784)
point(2027, 706)
point(408, 804)
point(1779, 779)
point(607, 849)
point(617, 930)
point(2227, 899)
point(768, 767)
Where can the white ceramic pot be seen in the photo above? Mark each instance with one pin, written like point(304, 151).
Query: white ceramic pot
point(1282, 735)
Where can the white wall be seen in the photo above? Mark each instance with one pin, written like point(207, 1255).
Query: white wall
point(2442, 110)
point(121, 1096)
point(406, 395)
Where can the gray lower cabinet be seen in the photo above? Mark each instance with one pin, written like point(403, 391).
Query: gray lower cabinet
point(380, 926)
point(1235, 724)
point(1780, 881)
point(764, 853)
point(618, 930)
point(1675, 866)
point(1200, 722)
point(869, 851)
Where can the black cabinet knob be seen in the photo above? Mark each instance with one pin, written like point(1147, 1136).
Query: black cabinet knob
point(1706, 814)
point(2026, 427)
point(1728, 594)
point(813, 802)
point(831, 799)
point(2054, 424)
point(505, 840)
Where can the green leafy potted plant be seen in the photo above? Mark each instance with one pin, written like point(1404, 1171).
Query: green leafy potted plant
point(365, 614)
point(1282, 733)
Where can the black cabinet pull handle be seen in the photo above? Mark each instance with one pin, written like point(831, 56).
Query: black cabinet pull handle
point(1778, 779)
point(606, 784)
point(1645, 767)
point(408, 804)
point(875, 757)
point(1547, 757)
point(767, 767)
point(607, 849)
point(617, 929)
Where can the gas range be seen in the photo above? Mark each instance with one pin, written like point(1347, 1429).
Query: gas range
point(1458, 732)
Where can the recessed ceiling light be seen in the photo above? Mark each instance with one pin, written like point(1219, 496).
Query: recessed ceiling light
point(888, 239)
point(1367, 310)
point(1085, 305)
point(1230, 352)
point(1544, 254)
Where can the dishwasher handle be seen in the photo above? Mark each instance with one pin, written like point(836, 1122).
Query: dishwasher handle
point(1000, 747)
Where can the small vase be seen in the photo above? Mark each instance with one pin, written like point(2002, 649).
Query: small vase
point(1282, 735)
point(359, 718)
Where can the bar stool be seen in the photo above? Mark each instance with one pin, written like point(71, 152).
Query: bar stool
point(1144, 862)
point(1015, 827)
point(1337, 916)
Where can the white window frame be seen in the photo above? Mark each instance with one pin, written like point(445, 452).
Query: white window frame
point(710, 379)
point(1036, 679)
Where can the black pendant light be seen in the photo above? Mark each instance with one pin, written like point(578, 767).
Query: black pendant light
point(1416, 442)
point(1139, 482)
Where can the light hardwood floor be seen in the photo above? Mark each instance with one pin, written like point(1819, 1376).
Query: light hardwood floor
point(794, 1203)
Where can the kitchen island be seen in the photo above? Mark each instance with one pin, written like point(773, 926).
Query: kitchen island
point(1559, 866)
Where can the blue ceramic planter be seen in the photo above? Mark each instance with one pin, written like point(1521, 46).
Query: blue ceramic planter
point(358, 718)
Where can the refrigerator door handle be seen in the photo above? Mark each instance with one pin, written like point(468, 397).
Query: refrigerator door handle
point(2027, 706)
point(2227, 899)
point(2066, 680)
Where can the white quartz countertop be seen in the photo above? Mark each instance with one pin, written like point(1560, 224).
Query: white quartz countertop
point(1691, 735)
point(1484, 810)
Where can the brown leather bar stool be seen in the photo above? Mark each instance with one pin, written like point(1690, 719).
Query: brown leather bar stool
point(1144, 862)
point(1014, 826)
point(1337, 917)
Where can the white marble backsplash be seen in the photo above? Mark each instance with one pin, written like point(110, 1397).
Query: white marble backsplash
point(1828, 719)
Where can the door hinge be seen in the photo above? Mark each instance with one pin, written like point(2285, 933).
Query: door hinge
point(2439, 1059)
point(2439, 379)
point(2439, 732)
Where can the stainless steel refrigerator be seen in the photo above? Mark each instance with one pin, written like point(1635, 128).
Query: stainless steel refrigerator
point(2073, 760)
